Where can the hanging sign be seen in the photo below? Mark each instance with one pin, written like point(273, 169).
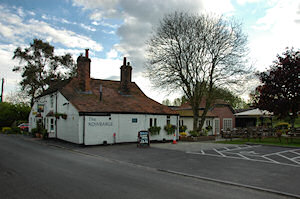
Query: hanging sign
point(143, 138)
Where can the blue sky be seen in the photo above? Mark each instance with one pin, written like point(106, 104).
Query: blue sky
point(112, 29)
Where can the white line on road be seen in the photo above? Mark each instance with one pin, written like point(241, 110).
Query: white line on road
point(219, 152)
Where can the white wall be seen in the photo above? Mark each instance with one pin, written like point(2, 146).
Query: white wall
point(67, 129)
point(102, 128)
point(188, 122)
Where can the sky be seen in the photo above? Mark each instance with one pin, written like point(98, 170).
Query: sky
point(112, 29)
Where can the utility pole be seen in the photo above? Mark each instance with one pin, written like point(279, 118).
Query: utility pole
point(1, 99)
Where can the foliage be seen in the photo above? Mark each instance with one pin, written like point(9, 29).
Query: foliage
point(34, 131)
point(183, 134)
point(170, 129)
point(41, 66)
point(16, 130)
point(182, 128)
point(154, 130)
point(196, 53)
point(6, 130)
point(18, 97)
point(176, 101)
point(13, 112)
point(194, 133)
point(279, 92)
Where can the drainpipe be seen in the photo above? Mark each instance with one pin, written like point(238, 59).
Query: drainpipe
point(83, 130)
point(55, 117)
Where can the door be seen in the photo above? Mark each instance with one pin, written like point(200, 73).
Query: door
point(217, 126)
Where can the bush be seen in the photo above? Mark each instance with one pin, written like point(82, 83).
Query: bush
point(34, 131)
point(6, 130)
point(194, 133)
point(44, 133)
point(16, 130)
point(154, 130)
point(183, 134)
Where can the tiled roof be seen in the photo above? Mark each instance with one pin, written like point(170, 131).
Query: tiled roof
point(187, 105)
point(112, 100)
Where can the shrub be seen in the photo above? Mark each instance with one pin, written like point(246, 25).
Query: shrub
point(183, 134)
point(194, 133)
point(170, 129)
point(44, 133)
point(182, 128)
point(34, 131)
point(16, 130)
point(154, 130)
point(6, 130)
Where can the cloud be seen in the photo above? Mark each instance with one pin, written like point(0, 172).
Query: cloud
point(112, 54)
point(274, 32)
point(89, 28)
point(18, 30)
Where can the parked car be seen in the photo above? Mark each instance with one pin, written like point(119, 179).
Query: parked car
point(24, 126)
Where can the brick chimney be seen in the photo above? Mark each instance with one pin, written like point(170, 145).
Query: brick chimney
point(83, 71)
point(125, 76)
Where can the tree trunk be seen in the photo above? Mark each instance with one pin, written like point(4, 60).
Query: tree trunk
point(195, 118)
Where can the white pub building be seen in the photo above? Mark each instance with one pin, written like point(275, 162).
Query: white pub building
point(90, 111)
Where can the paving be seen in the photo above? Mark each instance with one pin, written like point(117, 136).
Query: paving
point(276, 155)
point(274, 169)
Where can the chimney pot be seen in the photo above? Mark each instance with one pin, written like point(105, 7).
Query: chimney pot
point(124, 61)
point(87, 53)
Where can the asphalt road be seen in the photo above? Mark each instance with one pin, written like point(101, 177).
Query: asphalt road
point(30, 169)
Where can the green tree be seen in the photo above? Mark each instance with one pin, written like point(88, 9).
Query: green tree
point(39, 65)
point(195, 54)
point(13, 112)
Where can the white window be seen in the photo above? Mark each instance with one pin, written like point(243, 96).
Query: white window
point(52, 124)
point(227, 123)
point(168, 120)
point(51, 101)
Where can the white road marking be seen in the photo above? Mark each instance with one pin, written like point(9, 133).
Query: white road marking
point(287, 158)
point(241, 155)
point(219, 152)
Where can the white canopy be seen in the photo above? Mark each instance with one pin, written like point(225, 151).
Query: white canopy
point(254, 113)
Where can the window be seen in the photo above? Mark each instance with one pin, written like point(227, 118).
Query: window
point(168, 120)
point(151, 122)
point(227, 123)
point(181, 123)
point(134, 120)
point(208, 122)
point(155, 122)
point(52, 124)
point(51, 101)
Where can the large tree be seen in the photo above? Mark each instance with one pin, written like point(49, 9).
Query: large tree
point(39, 65)
point(196, 54)
point(279, 92)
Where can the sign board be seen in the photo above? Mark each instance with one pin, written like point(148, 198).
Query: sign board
point(143, 138)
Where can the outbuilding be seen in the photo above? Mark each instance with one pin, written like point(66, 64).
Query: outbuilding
point(91, 111)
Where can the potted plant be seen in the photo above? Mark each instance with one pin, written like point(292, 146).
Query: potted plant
point(154, 130)
point(64, 116)
point(170, 129)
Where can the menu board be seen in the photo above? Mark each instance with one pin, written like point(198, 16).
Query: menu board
point(143, 138)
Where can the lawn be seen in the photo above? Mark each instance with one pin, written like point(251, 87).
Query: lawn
point(266, 141)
